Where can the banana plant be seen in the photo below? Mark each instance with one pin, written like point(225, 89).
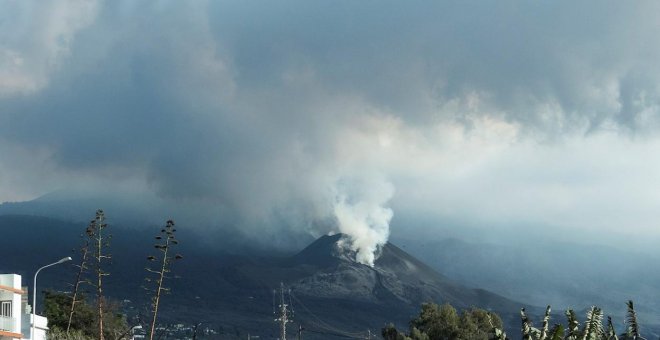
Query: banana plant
point(556, 333)
point(591, 330)
point(631, 321)
point(545, 333)
point(544, 328)
point(573, 326)
point(593, 327)
point(611, 333)
point(528, 331)
point(497, 334)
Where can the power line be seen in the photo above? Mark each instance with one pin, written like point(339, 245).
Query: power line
point(324, 325)
point(337, 332)
point(333, 334)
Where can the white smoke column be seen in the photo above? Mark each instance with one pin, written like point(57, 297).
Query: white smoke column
point(362, 215)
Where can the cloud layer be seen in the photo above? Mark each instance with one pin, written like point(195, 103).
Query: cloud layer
point(541, 113)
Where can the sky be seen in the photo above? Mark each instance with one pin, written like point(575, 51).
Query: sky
point(325, 116)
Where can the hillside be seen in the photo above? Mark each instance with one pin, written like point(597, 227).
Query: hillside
point(330, 292)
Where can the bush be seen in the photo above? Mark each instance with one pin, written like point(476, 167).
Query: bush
point(444, 322)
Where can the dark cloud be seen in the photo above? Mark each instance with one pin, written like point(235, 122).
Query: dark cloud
point(258, 110)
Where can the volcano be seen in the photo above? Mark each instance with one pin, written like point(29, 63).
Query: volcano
point(396, 278)
point(330, 291)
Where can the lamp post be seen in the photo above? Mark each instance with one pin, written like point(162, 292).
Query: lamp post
point(34, 293)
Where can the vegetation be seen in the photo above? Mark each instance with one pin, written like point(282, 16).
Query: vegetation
point(76, 317)
point(76, 296)
point(592, 329)
point(165, 240)
point(444, 322)
point(100, 243)
point(58, 334)
point(84, 324)
point(73, 317)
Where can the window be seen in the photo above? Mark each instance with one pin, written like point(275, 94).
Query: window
point(5, 309)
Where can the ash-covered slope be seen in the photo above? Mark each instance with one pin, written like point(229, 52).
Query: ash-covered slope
point(332, 286)
point(396, 277)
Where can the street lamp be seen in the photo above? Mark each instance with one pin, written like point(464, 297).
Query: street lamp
point(34, 292)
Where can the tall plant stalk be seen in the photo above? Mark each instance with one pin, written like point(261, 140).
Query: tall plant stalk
point(82, 269)
point(100, 245)
point(165, 240)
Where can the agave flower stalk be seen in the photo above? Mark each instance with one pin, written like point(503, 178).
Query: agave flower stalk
point(82, 270)
point(165, 241)
point(100, 242)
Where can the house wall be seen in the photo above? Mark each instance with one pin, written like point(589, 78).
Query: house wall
point(41, 327)
point(18, 326)
point(11, 325)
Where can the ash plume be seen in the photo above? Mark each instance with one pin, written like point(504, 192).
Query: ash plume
point(362, 215)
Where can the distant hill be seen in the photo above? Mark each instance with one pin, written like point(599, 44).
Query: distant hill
point(139, 211)
point(79, 206)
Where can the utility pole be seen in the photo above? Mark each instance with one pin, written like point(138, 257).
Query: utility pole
point(196, 327)
point(284, 314)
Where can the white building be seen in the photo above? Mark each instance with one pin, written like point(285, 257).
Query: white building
point(15, 312)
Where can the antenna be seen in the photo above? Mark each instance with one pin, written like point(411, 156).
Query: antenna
point(300, 330)
point(274, 310)
point(284, 313)
point(293, 311)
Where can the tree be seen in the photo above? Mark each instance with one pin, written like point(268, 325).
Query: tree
point(391, 333)
point(438, 322)
point(477, 323)
point(444, 322)
point(57, 307)
point(84, 322)
point(165, 240)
